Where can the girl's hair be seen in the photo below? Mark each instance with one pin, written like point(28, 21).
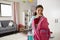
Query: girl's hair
point(38, 6)
point(34, 14)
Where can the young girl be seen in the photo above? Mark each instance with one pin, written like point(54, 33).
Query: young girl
point(40, 25)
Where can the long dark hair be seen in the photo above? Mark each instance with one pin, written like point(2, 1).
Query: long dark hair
point(34, 14)
point(38, 6)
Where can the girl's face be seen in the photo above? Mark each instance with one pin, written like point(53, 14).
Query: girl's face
point(39, 11)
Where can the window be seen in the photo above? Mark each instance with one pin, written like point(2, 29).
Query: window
point(5, 9)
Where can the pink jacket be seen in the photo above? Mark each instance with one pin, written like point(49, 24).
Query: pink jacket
point(42, 32)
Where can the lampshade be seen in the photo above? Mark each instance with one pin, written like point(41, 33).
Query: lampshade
point(31, 1)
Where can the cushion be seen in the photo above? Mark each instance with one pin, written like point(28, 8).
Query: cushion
point(4, 23)
point(10, 23)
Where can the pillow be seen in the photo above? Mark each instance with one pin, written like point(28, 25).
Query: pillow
point(10, 23)
point(0, 24)
point(4, 23)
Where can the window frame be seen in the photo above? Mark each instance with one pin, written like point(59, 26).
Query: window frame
point(5, 3)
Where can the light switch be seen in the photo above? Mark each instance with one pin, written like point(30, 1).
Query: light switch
point(56, 20)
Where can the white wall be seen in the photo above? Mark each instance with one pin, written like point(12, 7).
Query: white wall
point(52, 12)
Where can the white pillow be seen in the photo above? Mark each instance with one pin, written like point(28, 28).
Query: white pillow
point(10, 23)
point(0, 24)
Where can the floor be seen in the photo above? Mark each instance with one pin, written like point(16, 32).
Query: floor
point(17, 36)
point(22, 36)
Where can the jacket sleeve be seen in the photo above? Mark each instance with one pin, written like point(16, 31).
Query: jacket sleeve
point(45, 26)
point(45, 23)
